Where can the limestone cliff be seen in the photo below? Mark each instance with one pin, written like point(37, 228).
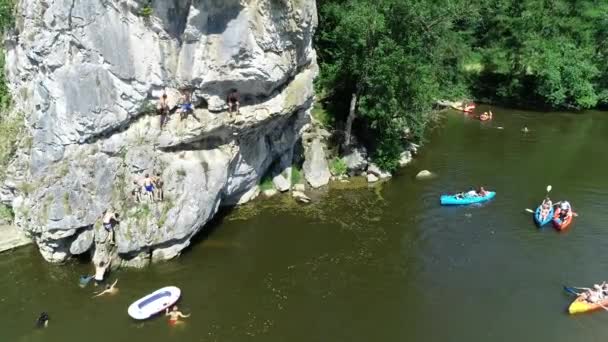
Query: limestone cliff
point(87, 73)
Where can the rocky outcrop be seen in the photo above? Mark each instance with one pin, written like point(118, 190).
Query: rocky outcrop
point(86, 75)
point(316, 169)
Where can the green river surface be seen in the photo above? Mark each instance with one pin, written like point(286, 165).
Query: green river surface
point(384, 263)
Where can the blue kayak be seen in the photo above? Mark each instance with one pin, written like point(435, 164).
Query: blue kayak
point(463, 200)
point(537, 219)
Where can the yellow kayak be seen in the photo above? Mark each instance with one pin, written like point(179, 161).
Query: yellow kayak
point(580, 305)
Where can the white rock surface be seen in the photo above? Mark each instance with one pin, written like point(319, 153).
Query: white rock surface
point(371, 178)
point(316, 169)
point(83, 71)
point(424, 174)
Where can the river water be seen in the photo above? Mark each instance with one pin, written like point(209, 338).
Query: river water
point(385, 263)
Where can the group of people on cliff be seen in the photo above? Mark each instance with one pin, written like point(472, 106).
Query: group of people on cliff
point(185, 107)
point(149, 188)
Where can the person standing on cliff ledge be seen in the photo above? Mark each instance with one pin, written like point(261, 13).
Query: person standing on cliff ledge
point(233, 102)
point(186, 107)
point(163, 110)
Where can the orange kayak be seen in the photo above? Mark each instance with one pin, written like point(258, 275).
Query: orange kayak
point(579, 305)
point(560, 224)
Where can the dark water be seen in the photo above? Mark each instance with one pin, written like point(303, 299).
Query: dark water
point(378, 264)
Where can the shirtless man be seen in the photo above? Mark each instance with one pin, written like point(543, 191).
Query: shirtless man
point(110, 220)
point(174, 315)
point(136, 191)
point(43, 320)
point(233, 102)
point(163, 110)
point(110, 289)
point(158, 184)
point(186, 107)
point(149, 186)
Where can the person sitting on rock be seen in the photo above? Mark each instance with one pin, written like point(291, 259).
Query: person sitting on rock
point(110, 289)
point(233, 101)
point(174, 315)
point(158, 184)
point(110, 220)
point(149, 187)
point(163, 110)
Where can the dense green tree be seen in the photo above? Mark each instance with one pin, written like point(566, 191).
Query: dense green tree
point(392, 59)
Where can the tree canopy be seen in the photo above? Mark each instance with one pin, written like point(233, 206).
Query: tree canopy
point(399, 57)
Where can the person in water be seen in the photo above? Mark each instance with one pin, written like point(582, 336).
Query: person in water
point(43, 320)
point(149, 187)
point(110, 220)
point(110, 289)
point(482, 192)
point(174, 315)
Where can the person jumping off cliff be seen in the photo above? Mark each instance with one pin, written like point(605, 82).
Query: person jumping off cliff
point(163, 110)
point(233, 102)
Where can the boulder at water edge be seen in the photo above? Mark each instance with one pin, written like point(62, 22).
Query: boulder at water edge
point(316, 169)
point(424, 174)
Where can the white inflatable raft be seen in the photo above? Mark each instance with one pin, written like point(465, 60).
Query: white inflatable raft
point(154, 303)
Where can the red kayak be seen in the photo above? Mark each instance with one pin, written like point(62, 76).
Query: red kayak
point(558, 222)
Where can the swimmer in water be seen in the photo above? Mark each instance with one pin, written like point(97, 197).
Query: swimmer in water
point(174, 315)
point(525, 129)
point(43, 320)
point(110, 289)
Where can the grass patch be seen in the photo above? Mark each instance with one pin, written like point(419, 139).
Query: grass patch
point(11, 130)
point(296, 175)
point(167, 205)
point(266, 183)
point(322, 115)
point(26, 188)
point(147, 10)
point(6, 213)
point(338, 167)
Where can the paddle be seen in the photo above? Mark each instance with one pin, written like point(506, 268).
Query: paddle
point(571, 290)
point(549, 187)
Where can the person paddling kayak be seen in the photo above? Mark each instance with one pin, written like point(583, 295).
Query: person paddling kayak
point(545, 208)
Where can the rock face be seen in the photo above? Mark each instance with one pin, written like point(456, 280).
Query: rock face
point(356, 160)
point(316, 169)
point(87, 74)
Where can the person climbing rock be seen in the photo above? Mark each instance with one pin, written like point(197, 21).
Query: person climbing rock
point(158, 184)
point(163, 110)
point(233, 102)
point(110, 220)
point(174, 315)
point(136, 191)
point(149, 187)
point(109, 289)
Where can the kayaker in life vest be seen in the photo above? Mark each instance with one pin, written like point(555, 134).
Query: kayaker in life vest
point(564, 209)
point(545, 208)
